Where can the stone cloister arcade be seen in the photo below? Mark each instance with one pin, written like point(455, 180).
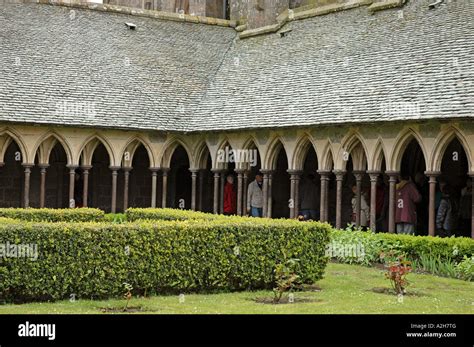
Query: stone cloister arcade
point(59, 167)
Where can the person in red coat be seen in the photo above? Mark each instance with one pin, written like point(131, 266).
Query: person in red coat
point(230, 197)
point(407, 197)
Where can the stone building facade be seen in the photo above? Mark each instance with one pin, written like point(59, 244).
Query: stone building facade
point(117, 122)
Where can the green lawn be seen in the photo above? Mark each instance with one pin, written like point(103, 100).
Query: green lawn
point(345, 289)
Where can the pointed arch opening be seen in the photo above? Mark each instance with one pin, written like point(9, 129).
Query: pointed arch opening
point(455, 186)
point(100, 181)
point(56, 181)
point(11, 174)
point(280, 193)
point(179, 180)
point(310, 184)
point(140, 179)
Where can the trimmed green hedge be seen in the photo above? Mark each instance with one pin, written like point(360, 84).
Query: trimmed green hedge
point(53, 215)
point(452, 248)
point(135, 214)
point(93, 260)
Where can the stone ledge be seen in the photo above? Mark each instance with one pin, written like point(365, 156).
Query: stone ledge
point(306, 12)
point(385, 4)
point(142, 13)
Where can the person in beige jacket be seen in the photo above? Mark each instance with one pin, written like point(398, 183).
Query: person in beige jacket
point(255, 197)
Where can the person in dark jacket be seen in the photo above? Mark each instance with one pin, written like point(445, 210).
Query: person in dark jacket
point(446, 217)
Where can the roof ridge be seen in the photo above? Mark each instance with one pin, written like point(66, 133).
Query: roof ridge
point(177, 17)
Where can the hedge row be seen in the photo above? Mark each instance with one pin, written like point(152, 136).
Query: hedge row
point(93, 260)
point(373, 244)
point(135, 214)
point(53, 215)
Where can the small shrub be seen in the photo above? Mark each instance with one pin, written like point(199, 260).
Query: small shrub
point(465, 269)
point(286, 278)
point(53, 215)
point(128, 294)
point(135, 214)
point(397, 270)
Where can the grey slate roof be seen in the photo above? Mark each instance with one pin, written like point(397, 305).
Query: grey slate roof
point(339, 68)
point(102, 73)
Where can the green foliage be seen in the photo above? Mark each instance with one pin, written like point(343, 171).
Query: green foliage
point(465, 269)
point(92, 260)
point(452, 248)
point(135, 214)
point(433, 254)
point(286, 278)
point(436, 265)
point(115, 217)
point(53, 215)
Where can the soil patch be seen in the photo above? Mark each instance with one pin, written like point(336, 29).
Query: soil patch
point(283, 301)
point(391, 291)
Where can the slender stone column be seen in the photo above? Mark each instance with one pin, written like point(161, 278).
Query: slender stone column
point(239, 191)
point(217, 175)
point(126, 182)
point(202, 173)
point(393, 175)
point(358, 176)
point(472, 204)
point(85, 186)
point(374, 175)
point(113, 204)
point(270, 194)
point(294, 193)
point(221, 195)
point(323, 201)
point(72, 180)
point(339, 179)
point(194, 174)
point(432, 201)
point(246, 186)
point(265, 192)
point(164, 192)
point(26, 187)
point(43, 168)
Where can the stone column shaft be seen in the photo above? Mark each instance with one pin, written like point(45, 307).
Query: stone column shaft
point(393, 175)
point(339, 179)
point(164, 172)
point(323, 200)
point(239, 192)
point(216, 192)
point(358, 176)
point(85, 186)
point(432, 202)
point(72, 180)
point(126, 182)
point(373, 198)
point(26, 186)
point(194, 174)
point(113, 205)
point(43, 168)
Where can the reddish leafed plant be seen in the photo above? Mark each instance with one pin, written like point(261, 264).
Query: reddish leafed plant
point(397, 270)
